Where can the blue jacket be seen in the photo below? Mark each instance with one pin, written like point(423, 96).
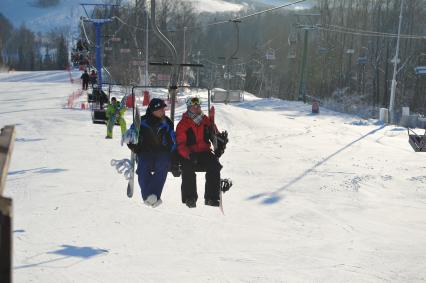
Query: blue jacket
point(155, 135)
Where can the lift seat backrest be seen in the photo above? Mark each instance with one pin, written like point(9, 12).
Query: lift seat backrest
point(418, 143)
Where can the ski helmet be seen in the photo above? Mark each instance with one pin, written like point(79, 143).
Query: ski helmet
point(191, 101)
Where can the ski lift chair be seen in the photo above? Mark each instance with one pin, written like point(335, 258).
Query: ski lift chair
point(220, 141)
point(222, 138)
point(417, 142)
point(99, 98)
point(98, 112)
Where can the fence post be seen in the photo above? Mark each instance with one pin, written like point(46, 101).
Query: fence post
point(7, 139)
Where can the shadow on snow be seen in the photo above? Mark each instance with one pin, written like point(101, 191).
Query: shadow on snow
point(66, 252)
point(40, 170)
point(274, 197)
point(28, 140)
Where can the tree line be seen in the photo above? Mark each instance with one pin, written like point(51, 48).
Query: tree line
point(350, 45)
point(24, 50)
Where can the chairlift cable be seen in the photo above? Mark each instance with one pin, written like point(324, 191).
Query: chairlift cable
point(224, 21)
point(269, 10)
point(371, 34)
point(114, 34)
point(84, 31)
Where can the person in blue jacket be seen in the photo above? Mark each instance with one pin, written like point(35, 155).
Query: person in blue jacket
point(155, 148)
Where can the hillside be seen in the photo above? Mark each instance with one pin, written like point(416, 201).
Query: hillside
point(324, 198)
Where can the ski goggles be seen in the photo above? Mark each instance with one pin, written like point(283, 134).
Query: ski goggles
point(193, 101)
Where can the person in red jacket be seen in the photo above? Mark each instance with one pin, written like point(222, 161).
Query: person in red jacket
point(193, 134)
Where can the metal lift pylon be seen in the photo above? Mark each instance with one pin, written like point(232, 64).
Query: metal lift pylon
point(98, 115)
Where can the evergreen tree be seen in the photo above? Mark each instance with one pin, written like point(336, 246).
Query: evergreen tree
point(62, 53)
point(47, 60)
point(6, 29)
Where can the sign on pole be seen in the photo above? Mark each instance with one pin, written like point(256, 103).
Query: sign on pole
point(270, 54)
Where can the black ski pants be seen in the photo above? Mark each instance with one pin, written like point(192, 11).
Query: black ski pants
point(205, 161)
point(85, 85)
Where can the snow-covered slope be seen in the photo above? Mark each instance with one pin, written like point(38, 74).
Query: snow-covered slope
point(325, 198)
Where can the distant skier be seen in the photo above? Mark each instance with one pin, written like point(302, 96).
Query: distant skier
point(80, 45)
point(156, 145)
point(93, 78)
point(85, 80)
point(193, 135)
point(114, 113)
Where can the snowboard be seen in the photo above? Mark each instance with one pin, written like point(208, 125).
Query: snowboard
point(133, 156)
point(214, 131)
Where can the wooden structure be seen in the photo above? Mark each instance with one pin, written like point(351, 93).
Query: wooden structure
point(7, 139)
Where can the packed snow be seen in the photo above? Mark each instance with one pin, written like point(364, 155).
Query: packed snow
point(316, 198)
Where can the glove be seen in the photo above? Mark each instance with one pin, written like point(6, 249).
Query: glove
point(218, 152)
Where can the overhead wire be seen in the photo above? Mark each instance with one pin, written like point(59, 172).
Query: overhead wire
point(269, 10)
point(84, 31)
point(236, 19)
point(372, 32)
point(345, 30)
point(224, 21)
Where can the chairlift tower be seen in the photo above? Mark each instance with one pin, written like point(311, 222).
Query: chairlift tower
point(98, 23)
point(306, 27)
point(228, 59)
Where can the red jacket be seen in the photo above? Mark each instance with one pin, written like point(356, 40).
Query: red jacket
point(191, 137)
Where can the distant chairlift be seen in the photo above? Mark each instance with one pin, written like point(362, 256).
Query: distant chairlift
point(292, 40)
point(323, 50)
point(362, 60)
point(420, 70)
point(101, 98)
point(291, 55)
point(219, 95)
point(417, 142)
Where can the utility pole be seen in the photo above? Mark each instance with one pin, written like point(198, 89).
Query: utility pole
point(146, 47)
point(302, 84)
point(198, 70)
point(184, 55)
point(395, 69)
